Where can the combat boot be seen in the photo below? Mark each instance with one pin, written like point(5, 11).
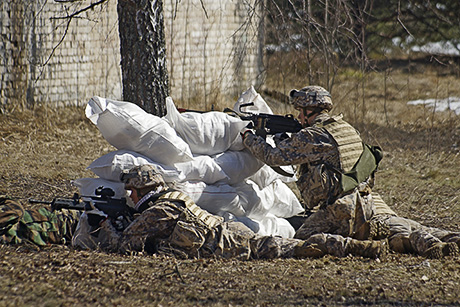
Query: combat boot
point(455, 237)
point(378, 229)
point(442, 249)
point(308, 250)
point(367, 248)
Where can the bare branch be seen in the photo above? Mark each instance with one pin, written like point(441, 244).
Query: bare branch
point(399, 19)
point(68, 21)
point(54, 49)
point(89, 7)
point(204, 9)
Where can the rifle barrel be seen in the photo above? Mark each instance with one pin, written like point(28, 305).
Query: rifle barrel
point(38, 201)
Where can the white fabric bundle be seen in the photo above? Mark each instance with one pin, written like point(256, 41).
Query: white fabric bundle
point(244, 199)
point(230, 167)
point(276, 198)
point(126, 126)
point(270, 225)
point(202, 168)
point(251, 96)
point(237, 165)
point(266, 175)
point(200, 154)
point(206, 133)
point(217, 199)
point(110, 166)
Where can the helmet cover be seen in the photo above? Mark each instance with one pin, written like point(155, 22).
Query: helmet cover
point(311, 96)
point(140, 177)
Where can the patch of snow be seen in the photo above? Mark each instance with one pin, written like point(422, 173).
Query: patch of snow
point(445, 48)
point(440, 105)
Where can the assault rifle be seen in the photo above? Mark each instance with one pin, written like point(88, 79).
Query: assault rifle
point(267, 124)
point(104, 201)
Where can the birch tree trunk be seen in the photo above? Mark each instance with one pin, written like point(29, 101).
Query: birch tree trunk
point(143, 54)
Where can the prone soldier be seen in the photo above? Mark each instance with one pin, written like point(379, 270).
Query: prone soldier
point(38, 226)
point(170, 222)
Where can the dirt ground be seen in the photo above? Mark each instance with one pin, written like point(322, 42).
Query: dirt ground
point(43, 150)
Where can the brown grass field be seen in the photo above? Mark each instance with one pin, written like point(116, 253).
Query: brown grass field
point(42, 150)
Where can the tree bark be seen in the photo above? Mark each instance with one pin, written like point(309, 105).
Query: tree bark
point(143, 54)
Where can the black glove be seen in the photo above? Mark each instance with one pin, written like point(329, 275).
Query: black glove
point(95, 217)
point(279, 137)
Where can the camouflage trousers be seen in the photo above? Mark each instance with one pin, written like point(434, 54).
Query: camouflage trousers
point(168, 228)
point(367, 217)
point(38, 226)
point(338, 218)
point(408, 236)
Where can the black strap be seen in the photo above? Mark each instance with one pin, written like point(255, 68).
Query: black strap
point(153, 199)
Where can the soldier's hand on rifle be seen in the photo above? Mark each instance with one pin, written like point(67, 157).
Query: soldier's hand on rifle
point(245, 134)
point(261, 132)
point(95, 217)
point(280, 137)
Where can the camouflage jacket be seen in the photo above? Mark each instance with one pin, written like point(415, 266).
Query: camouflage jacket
point(316, 151)
point(173, 224)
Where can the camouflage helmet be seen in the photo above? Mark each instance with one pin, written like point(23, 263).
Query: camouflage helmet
point(311, 96)
point(140, 177)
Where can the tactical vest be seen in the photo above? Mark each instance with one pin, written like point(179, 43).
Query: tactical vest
point(380, 207)
point(357, 159)
point(349, 142)
point(207, 218)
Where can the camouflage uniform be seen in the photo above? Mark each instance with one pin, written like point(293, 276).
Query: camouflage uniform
point(408, 236)
point(324, 151)
point(173, 224)
point(38, 226)
point(170, 223)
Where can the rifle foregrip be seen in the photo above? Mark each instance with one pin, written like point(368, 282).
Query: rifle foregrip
point(67, 203)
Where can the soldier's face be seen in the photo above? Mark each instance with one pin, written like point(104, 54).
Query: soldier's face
point(134, 196)
point(302, 117)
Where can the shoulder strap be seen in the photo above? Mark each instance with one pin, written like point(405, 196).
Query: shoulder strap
point(209, 219)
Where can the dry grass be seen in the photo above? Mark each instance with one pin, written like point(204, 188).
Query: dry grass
point(43, 150)
point(57, 276)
